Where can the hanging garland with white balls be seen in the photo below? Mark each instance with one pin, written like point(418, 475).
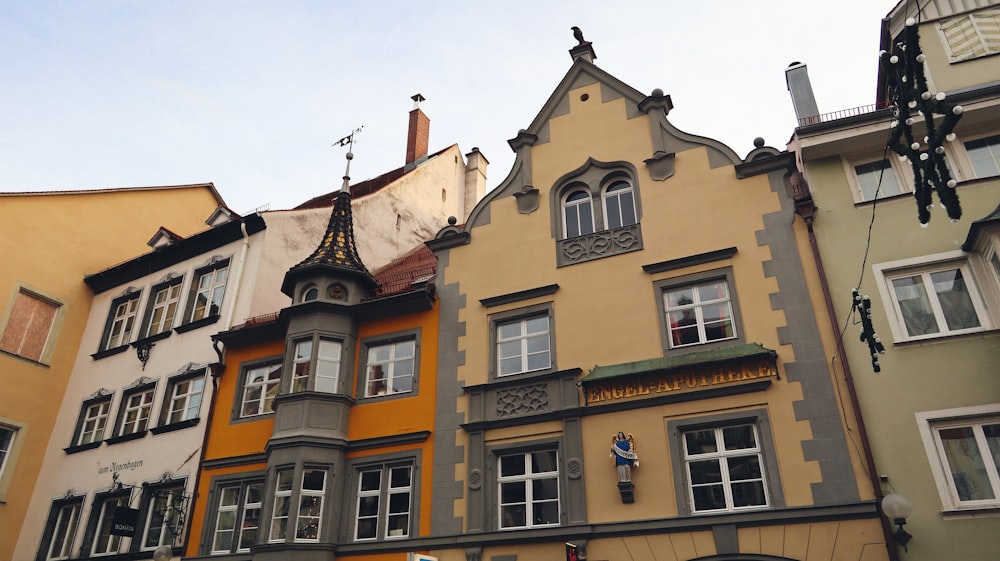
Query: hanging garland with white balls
point(913, 103)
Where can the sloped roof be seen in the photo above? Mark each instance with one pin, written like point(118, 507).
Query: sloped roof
point(407, 272)
point(366, 187)
point(210, 186)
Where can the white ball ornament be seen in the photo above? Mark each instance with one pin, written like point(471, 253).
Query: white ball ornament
point(940, 96)
point(910, 22)
point(921, 57)
point(915, 146)
point(958, 110)
point(950, 137)
point(924, 156)
point(894, 59)
point(952, 183)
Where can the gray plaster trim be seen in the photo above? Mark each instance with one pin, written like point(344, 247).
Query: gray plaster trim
point(726, 540)
point(234, 461)
point(519, 295)
point(828, 446)
point(690, 261)
point(391, 440)
point(757, 417)
point(670, 139)
point(576, 533)
point(447, 452)
point(503, 558)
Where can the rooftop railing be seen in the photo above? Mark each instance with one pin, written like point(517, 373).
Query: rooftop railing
point(836, 115)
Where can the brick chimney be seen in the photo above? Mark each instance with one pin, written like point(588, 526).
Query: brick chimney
point(418, 135)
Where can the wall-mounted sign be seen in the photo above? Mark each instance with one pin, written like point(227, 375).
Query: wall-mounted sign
point(115, 467)
point(687, 380)
point(125, 521)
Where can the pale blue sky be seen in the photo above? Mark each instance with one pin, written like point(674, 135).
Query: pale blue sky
point(250, 95)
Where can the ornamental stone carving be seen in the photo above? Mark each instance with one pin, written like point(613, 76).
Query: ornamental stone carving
point(574, 468)
point(599, 244)
point(522, 400)
point(475, 479)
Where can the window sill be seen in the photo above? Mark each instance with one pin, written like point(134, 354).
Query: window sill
point(946, 337)
point(125, 438)
point(108, 352)
point(884, 199)
point(386, 396)
point(175, 426)
point(82, 447)
point(31, 360)
point(971, 512)
point(196, 324)
point(152, 339)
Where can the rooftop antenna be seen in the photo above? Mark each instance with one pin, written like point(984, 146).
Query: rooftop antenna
point(349, 142)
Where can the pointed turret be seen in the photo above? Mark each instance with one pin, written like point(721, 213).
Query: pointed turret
point(335, 258)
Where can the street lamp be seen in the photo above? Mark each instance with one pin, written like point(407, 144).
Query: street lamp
point(897, 507)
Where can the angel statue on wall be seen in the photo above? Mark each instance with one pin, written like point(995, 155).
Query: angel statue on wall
point(623, 452)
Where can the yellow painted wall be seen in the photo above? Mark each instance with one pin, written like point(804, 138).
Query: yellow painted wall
point(48, 243)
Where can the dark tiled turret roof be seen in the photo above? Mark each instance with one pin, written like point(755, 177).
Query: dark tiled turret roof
point(337, 249)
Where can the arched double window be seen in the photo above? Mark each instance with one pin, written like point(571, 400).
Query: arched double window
point(617, 202)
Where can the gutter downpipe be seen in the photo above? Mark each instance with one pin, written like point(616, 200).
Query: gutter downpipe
point(805, 208)
point(216, 370)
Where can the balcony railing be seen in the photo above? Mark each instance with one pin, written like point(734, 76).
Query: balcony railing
point(836, 115)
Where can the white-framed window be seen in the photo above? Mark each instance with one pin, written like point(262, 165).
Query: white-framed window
point(310, 513)
point(578, 214)
point(105, 543)
point(93, 422)
point(282, 505)
point(963, 450)
point(972, 35)
point(523, 345)
point(63, 525)
point(528, 489)
point(619, 205)
point(29, 326)
point(163, 512)
point(137, 408)
point(316, 365)
point(984, 156)
point(384, 502)
point(390, 368)
point(699, 313)
point(881, 174)
point(163, 304)
point(237, 517)
point(122, 322)
point(184, 399)
point(725, 471)
point(935, 301)
point(260, 386)
point(209, 290)
point(7, 436)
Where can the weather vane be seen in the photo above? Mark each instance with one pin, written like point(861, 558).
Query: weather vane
point(349, 142)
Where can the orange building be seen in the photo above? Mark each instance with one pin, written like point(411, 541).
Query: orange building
point(321, 428)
